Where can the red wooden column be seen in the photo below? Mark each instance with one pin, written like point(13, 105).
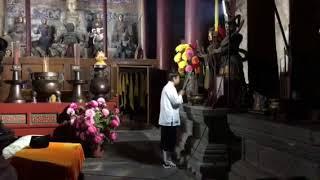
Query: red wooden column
point(192, 21)
point(144, 28)
point(164, 33)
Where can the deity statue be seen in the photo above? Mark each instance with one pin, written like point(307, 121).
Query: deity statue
point(8, 39)
point(18, 32)
point(68, 39)
point(46, 37)
point(231, 61)
point(123, 39)
point(221, 53)
point(3, 47)
point(211, 63)
point(97, 34)
point(72, 16)
point(89, 47)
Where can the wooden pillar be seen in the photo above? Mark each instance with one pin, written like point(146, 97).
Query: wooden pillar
point(192, 21)
point(2, 16)
point(164, 34)
point(144, 26)
point(262, 62)
point(305, 46)
point(105, 27)
point(28, 27)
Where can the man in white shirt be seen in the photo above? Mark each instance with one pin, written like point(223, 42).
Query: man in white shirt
point(169, 117)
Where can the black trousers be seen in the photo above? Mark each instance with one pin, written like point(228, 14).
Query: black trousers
point(168, 138)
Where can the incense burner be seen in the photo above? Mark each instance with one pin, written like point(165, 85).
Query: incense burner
point(46, 84)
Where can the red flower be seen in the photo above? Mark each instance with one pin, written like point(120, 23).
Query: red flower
point(195, 60)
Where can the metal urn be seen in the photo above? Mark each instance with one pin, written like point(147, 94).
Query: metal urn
point(99, 85)
point(46, 84)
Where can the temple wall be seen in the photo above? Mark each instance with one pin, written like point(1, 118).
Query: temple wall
point(283, 8)
point(241, 8)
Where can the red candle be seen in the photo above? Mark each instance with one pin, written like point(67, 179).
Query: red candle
point(77, 54)
point(16, 52)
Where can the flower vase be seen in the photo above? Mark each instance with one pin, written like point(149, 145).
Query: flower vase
point(98, 152)
point(192, 91)
point(192, 87)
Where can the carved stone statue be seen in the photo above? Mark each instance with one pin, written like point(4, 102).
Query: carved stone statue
point(46, 38)
point(3, 47)
point(68, 39)
point(123, 39)
point(211, 63)
point(221, 54)
point(231, 62)
point(95, 34)
point(72, 16)
point(18, 32)
point(98, 36)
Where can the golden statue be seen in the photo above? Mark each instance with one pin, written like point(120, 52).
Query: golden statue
point(72, 15)
point(100, 58)
point(53, 98)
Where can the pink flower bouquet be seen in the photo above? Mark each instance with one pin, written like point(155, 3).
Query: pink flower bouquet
point(94, 123)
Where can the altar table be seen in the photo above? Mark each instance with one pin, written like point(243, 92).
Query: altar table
point(36, 118)
point(61, 161)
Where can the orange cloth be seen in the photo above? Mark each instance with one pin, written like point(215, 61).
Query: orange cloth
point(61, 159)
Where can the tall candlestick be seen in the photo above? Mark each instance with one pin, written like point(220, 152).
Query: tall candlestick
point(76, 54)
point(216, 15)
point(15, 52)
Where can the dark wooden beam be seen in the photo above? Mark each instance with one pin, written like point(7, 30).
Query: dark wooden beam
point(28, 27)
point(105, 27)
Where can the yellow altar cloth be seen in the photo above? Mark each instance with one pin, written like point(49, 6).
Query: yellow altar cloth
point(59, 161)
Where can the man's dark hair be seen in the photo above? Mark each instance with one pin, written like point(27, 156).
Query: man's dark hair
point(172, 74)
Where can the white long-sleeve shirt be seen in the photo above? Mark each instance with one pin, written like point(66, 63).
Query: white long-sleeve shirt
point(169, 106)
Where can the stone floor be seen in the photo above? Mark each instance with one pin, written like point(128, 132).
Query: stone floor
point(135, 156)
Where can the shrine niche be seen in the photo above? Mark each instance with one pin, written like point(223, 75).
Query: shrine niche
point(15, 23)
point(51, 28)
point(124, 21)
point(56, 25)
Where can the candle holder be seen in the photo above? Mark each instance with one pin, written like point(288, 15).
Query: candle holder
point(15, 95)
point(77, 94)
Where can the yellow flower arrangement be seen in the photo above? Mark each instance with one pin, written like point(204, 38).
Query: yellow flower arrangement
point(182, 47)
point(182, 64)
point(186, 59)
point(177, 57)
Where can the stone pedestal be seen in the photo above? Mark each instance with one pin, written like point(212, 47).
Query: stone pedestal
point(275, 150)
point(203, 145)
